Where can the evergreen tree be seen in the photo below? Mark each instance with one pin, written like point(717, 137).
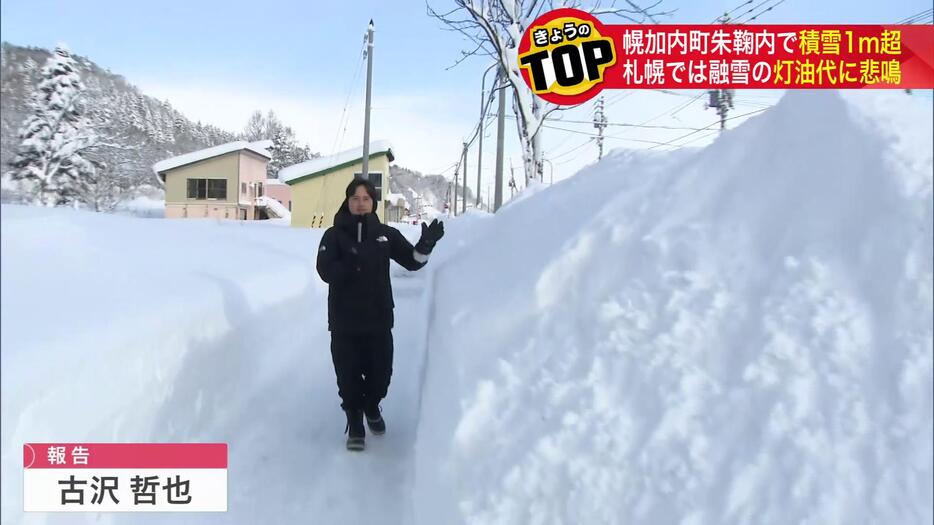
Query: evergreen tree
point(279, 151)
point(285, 150)
point(49, 160)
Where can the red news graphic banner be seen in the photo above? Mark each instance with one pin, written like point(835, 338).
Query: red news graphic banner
point(124, 477)
point(124, 455)
point(567, 56)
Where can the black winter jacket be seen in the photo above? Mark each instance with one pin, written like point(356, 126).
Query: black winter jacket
point(353, 258)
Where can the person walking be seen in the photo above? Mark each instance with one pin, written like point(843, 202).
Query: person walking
point(353, 258)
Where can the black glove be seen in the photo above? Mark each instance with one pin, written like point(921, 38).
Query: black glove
point(430, 236)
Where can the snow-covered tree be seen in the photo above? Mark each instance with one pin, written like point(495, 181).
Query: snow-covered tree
point(285, 149)
point(108, 186)
point(278, 151)
point(50, 159)
point(255, 128)
point(495, 30)
point(133, 105)
point(29, 66)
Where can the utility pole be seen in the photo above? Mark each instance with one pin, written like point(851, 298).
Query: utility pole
point(369, 83)
point(722, 100)
point(599, 122)
point(464, 196)
point(454, 203)
point(480, 131)
point(500, 135)
point(480, 148)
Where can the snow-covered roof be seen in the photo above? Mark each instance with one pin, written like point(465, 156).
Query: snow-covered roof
point(258, 147)
point(310, 167)
point(394, 199)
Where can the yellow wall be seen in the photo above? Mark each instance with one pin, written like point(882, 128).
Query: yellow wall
point(221, 167)
point(315, 200)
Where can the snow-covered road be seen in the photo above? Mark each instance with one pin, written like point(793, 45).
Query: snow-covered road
point(246, 362)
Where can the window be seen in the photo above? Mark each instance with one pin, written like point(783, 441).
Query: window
point(217, 188)
point(376, 178)
point(290, 205)
point(243, 188)
point(207, 189)
point(259, 189)
point(197, 188)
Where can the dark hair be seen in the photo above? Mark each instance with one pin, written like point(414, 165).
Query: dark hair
point(370, 189)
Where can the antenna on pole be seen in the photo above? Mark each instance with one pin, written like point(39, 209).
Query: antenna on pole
point(599, 122)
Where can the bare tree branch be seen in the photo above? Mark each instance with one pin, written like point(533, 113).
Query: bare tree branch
point(495, 27)
point(464, 56)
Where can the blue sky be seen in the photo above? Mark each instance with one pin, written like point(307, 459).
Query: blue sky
point(217, 61)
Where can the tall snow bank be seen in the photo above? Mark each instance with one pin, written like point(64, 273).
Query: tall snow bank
point(739, 334)
point(121, 329)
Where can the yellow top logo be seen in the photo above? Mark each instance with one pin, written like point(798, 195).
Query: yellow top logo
point(565, 56)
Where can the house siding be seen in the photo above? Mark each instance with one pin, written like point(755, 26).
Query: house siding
point(252, 170)
point(315, 200)
point(222, 167)
point(234, 167)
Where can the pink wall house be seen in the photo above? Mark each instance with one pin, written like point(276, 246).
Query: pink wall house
point(280, 191)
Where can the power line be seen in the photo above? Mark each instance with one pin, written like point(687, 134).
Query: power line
point(673, 110)
point(351, 89)
point(619, 97)
point(644, 126)
point(688, 103)
point(719, 18)
point(572, 150)
point(620, 124)
point(704, 136)
point(760, 13)
point(445, 170)
point(675, 93)
point(750, 10)
point(655, 144)
point(677, 109)
point(708, 127)
point(753, 104)
point(916, 17)
point(616, 137)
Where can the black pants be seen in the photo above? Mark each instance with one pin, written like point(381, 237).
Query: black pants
point(363, 364)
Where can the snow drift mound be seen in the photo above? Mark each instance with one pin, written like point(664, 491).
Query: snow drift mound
point(739, 334)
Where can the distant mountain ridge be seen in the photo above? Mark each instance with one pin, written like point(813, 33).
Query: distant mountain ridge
point(141, 130)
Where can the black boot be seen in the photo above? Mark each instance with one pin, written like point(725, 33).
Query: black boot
point(374, 419)
point(355, 431)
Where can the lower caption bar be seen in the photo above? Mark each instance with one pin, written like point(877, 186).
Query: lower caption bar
point(125, 477)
